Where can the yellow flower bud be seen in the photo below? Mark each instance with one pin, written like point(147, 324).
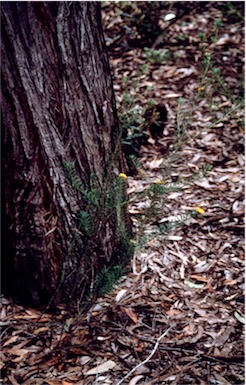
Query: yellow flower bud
point(199, 210)
point(122, 175)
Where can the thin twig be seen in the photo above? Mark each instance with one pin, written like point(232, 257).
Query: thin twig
point(134, 264)
point(146, 360)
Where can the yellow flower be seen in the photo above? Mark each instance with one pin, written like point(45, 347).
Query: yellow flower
point(199, 210)
point(122, 175)
point(133, 242)
point(200, 89)
point(158, 181)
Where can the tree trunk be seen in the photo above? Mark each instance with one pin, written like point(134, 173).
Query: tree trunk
point(63, 211)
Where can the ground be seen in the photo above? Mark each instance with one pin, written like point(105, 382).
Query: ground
point(177, 317)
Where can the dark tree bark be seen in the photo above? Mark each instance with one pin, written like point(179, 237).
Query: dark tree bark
point(57, 107)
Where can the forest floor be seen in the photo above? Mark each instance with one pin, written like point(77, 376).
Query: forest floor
point(178, 317)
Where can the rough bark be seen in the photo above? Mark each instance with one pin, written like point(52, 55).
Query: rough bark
point(57, 106)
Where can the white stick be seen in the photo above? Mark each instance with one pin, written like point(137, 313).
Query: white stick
point(146, 360)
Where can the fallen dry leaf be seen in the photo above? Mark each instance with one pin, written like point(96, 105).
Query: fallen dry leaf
point(136, 379)
point(64, 382)
point(120, 295)
point(11, 340)
point(131, 314)
point(102, 368)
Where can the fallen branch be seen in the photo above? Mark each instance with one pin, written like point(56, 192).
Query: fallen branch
point(146, 360)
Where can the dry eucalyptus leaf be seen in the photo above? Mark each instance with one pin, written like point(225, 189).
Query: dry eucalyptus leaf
point(120, 295)
point(136, 379)
point(102, 368)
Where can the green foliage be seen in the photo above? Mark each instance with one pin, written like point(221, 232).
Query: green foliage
point(92, 195)
point(218, 23)
point(236, 10)
point(212, 81)
point(98, 206)
point(85, 223)
point(107, 278)
point(131, 119)
point(142, 19)
point(76, 182)
point(150, 222)
point(156, 55)
point(183, 37)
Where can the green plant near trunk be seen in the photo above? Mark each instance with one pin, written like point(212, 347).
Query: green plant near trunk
point(98, 205)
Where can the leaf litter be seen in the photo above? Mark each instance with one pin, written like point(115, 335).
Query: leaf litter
point(178, 316)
